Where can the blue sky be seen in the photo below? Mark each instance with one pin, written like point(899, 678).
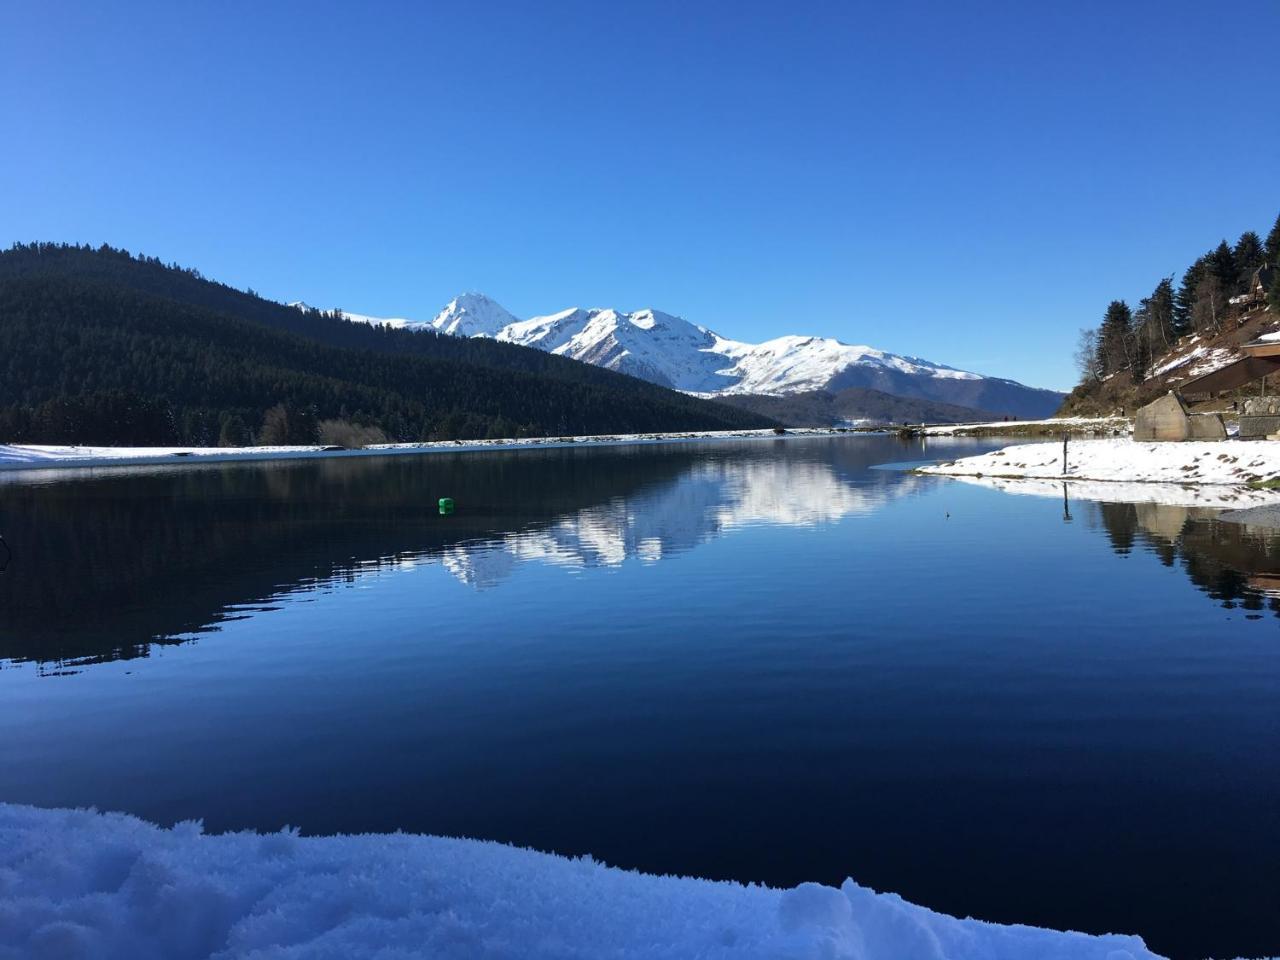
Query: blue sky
point(966, 182)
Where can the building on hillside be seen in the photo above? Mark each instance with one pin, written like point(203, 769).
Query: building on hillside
point(1255, 296)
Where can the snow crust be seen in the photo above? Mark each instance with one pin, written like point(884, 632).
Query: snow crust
point(77, 884)
point(1227, 462)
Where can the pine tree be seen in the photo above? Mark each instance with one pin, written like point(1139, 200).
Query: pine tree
point(1114, 338)
point(1142, 341)
point(1223, 263)
point(1249, 256)
point(1272, 246)
point(1184, 300)
point(1160, 313)
point(232, 432)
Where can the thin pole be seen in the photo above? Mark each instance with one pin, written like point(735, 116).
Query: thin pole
point(1064, 453)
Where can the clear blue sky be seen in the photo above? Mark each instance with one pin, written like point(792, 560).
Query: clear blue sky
point(967, 182)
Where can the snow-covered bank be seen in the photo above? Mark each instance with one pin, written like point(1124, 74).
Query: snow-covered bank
point(1229, 462)
point(1222, 496)
point(79, 884)
point(1097, 426)
point(44, 457)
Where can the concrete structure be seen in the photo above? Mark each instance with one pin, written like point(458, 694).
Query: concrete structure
point(1258, 360)
point(1260, 417)
point(1168, 419)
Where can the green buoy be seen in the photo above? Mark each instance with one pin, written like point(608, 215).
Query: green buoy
point(446, 505)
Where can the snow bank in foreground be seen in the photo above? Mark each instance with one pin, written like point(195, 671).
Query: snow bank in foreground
point(1212, 462)
point(79, 884)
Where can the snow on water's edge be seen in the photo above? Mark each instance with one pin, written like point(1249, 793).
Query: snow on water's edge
point(46, 456)
point(1234, 463)
point(76, 884)
point(1219, 496)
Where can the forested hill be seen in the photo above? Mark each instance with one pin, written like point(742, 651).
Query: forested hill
point(1184, 328)
point(824, 408)
point(99, 346)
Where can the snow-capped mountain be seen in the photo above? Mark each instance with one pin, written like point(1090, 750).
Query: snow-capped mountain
point(467, 315)
point(673, 352)
point(472, 315)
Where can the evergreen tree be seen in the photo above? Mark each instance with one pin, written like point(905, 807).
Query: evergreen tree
point(1223, 264)
point(1272, 246)
point(232, 431)
point(288, 425)
point(1114, 338)
point(1184, 300)
point(1249, 256)
point(1158, 313)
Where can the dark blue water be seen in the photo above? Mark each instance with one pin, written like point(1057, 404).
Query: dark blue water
point(757, 660)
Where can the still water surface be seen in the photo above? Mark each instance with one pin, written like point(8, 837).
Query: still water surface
point(764, 661)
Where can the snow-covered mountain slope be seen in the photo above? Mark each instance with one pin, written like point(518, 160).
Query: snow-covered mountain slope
point(400, 323)
point(673, 352)
point(467, 315)
point(472, 315)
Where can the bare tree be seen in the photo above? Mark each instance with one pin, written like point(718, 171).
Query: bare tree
point(1087, 355)
point(1206, 314)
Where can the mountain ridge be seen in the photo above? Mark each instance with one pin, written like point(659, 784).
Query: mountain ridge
point(668, 350)
point(103, 347)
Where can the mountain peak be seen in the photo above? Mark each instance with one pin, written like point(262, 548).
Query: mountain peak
point(472, 315)
point(671, 351)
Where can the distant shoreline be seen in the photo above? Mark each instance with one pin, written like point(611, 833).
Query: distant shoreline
point(28, 457)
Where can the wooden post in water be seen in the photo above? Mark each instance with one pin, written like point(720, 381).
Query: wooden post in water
point(1064, 453)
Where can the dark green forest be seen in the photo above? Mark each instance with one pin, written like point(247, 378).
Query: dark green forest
point(100, 346)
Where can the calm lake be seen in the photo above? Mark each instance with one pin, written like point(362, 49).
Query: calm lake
point(759, 660)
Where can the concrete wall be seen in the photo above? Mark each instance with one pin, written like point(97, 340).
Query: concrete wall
point(1260, 417)
point(1206, 426)
point(1162, 419)
point(1259, 427)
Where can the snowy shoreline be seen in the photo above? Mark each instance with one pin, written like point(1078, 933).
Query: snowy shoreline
point(1229, 463)
point(63, 457)
point(45, 456)
point(78, 883)
point(1054, 426)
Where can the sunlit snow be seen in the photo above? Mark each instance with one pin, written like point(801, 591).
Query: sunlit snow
point(76, 885)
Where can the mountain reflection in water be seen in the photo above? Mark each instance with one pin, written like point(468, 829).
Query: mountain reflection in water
point(108, 564)
point(1035, 709)
point(111, 563)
